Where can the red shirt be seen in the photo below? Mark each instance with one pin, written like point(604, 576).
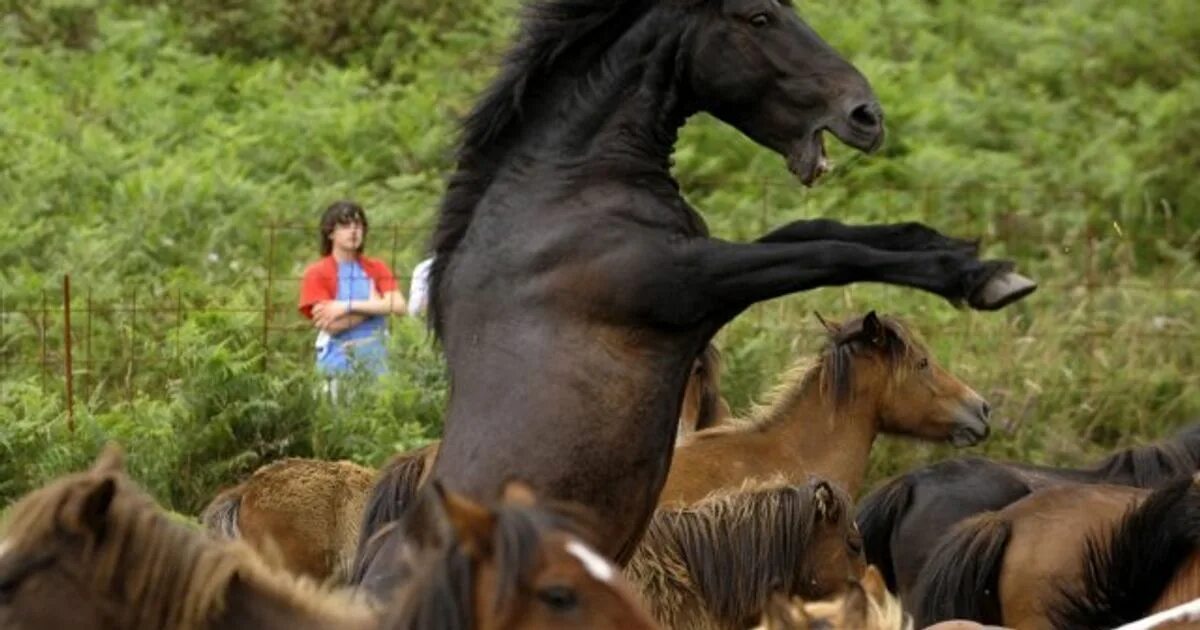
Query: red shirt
point(319, 283)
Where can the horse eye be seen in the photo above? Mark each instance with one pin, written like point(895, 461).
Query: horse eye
point(923, 363)
point(558, 598)
point(759, 20)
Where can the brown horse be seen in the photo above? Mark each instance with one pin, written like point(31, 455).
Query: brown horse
point(573, 285)
point(92, 550)
point(305, 512)
point(1068, 556)
point(873, 376)
point(865, 605)
point(714, 565)
point(452, 563)
point(903, 520)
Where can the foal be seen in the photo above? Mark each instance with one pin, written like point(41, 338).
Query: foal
point(91, 550)
point(872, 377)
point(714, 565)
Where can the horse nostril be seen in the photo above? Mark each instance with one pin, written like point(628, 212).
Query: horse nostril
point(867, 115)
point(985, 410)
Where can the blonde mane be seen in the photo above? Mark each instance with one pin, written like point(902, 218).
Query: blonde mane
point(165, 574)
point(832, 370)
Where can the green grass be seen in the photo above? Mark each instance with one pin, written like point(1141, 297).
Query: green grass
point(177, 154)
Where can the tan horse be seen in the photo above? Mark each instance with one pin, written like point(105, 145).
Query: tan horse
point(306, 512)
point(714, 565)
point(865, 605)
point(1069, 556)
point(92, 550)
point(873, 377)
point(517, 565)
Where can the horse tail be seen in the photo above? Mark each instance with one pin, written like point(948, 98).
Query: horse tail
point(878, 516)
point(393, 494)
point(221, 515)
point(961, 578)
point(1127, 569)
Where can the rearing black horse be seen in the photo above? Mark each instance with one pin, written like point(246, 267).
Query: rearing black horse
point(573, 285)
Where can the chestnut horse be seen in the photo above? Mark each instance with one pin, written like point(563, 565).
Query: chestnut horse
point(573, 286)
point(904, 519)
point(304, 512)
point(1068, 556)
point(452, 563)
point(307, 512)
point(872, 377)
point(715, 564)
point(865, 605)
point(92, 550)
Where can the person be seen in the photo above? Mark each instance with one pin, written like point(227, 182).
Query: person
point(418, 293)
point(348, 297)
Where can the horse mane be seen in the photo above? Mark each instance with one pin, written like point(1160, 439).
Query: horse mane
point(552, 33)
point(178, 577)
point(710, 387)
point(877, 518)
point(730, 551)
point(1127, 568)
point(440, 590)
point(1152, 465)
point(833, 370)
point(960, 579)
point(395, 488)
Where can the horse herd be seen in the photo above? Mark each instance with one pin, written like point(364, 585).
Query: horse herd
point(588, 474)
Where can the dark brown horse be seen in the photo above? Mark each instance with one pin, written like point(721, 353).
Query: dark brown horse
point(452, 563)
point(92, 550)
point(1071, 556)
point(714, 565)
point(574, 285)
point(903, 520)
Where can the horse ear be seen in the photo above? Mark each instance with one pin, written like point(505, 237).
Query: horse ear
point(93, 507)
point(872, 582)
point(873, 329)
point(471, 522)
point(111, 460)
point(519, 493)
point(855, 607)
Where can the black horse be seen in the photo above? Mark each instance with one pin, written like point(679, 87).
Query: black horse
point(905, 519)
point(574, 286)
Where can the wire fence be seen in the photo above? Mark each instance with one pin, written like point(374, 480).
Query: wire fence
point(73, 342)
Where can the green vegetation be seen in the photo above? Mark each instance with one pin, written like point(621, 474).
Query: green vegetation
point(173, 156)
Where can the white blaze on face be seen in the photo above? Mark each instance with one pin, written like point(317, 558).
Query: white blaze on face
point(595, 565)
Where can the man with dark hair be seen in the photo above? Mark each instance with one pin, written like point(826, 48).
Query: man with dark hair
point(348, 295)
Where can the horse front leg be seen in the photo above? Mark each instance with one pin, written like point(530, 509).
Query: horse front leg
point(725, 278)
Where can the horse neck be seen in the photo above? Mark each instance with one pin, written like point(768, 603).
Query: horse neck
point(619, 116)
point(810, 433)
point(270, 605)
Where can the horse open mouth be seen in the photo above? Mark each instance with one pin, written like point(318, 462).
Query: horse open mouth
point(808, 160)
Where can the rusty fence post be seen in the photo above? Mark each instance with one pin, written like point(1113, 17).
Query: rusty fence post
point(69, 367)
point(42, 340)
point(266, 321)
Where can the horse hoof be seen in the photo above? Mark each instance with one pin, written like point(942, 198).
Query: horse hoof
point(1001, 290)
